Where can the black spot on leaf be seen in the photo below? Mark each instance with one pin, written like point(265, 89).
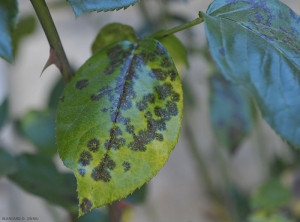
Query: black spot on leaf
point(101, 172)
point(172, 108)
point(81, 84)
point(86, 205)
point(126, 166)
point(159, 137)
point(81, 171)
point(62, 98)
point(85, 158)
point(93, 145)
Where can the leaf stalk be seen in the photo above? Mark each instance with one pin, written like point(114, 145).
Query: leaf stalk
point(165, 33)
point(49, 28)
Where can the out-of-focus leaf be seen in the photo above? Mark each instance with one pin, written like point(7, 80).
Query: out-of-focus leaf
point(176, 50)
point(8, 16)
point(95, 215)
point(3, 112)
point(119, 119)
point(39, 128)
point(113, 33)
point(138, 196)
point(271, 196)
point(56, 93)
point(7, 163)
point(231, 112)
point(262, 216)
point(25, 27)
point(37, 175)
point(82, 6)
point(256, 44)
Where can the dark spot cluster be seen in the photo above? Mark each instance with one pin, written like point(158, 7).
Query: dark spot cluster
point(102, 92)
point(93, 145)
point(62, 98)
point(166, 63)
point(86, 205)
point(85, 158)
point(164, 91)
point(101, 172)
point(126, 166)
point(81, 171)
point(172, 108)
point(143, 104)
point(117, 56)
point(114, 143)
point(81, 84)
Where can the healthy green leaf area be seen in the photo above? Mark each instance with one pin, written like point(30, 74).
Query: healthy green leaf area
point(81, 6)
point(8, 14)
point(119, 119)
point(256, 44)
point(234, 122)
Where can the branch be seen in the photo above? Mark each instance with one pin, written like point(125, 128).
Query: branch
point(56, 47)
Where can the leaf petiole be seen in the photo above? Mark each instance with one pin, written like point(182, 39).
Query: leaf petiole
point(165, 33)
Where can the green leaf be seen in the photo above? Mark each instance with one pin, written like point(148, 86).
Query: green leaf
point(39, 128)
point(7, 163)
point(119, 119)
point(81, 6)
point(25, 27)
point(113, 33)
point(231, 112)
point(8, 15)
point(55, 94)
point(271, 196)
point(256, 45)
point(176, 50)
point(38, 175)
point(3, 112)
point(265, 217)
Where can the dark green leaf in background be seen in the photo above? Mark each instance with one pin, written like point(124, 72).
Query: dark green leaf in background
point(37, 175)
point(266, 217)
point(119, 119)
point(81, 6)
point(25, 27)
point(3, 112)
point(56, 93)
point(8, 16)
point(256, 44)
point(113, 33)
point(138, 196)
point(39, 128)
point(7, 163)
point(231, 112)
point(270, 196)
point(94, 216)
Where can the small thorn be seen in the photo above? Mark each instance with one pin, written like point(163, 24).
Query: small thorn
point(53, 59)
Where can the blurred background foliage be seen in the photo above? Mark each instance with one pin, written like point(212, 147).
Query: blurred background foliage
point(233, 117)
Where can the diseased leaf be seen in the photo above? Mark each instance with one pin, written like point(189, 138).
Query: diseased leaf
point(81, 6)
point(3, 112)
point(256, 45)
point(113, 33)
point(7, 163)
point(176, 50)
point(119, 119)
point(231, 112)
point(39, 128)
point(271, 196)
point(8, 14)
point(37, 175)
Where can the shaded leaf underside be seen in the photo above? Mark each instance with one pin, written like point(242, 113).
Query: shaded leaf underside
point(119, 119)
point(256, 44)
point(81, 6)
